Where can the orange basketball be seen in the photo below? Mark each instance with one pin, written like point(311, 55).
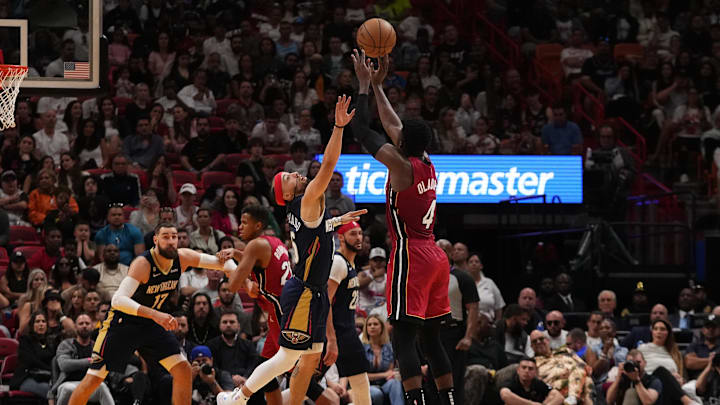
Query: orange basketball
point(377, 37)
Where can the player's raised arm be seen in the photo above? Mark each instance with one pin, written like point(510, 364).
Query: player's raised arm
point(316, 188)
point(389, 119)
point(375, 143)
point(122, 299)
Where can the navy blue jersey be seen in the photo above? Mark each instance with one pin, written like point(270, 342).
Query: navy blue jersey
point(313, 244)
point(346, 296)
point(160, 285)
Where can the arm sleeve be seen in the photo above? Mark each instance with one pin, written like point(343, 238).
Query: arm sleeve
point(371, 140)
point(122, 301)
point(338, 271)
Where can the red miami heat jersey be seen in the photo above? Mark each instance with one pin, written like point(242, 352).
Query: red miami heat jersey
point(411, 213)
point(270, 283)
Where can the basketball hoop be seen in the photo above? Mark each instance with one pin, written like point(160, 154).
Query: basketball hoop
point(10, 78)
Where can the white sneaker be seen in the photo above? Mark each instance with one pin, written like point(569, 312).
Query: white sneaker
point(236, 397)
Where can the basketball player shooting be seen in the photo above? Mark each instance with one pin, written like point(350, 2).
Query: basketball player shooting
point(418, 277)
point(304, 301)
point(136, 321)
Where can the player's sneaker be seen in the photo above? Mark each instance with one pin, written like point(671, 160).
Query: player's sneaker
point(236, 397)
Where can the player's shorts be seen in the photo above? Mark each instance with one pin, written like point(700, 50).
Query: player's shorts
point(351, 354)
point(271, 345)
point(305, 311)
point(417, 285)
point(121, 334)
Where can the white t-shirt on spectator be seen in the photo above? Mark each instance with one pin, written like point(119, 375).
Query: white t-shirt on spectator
point(200, 281)
point(54, 103)
point(569, 53)
point(291, 166)
point(280, 135)
point(51, 145)
point(311, 137)
point(205, 105)
point(490, 297)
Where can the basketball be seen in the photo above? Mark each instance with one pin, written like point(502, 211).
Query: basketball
point(377, 37)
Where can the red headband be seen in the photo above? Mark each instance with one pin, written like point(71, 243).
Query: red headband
point(277, 184)
point(347, 227)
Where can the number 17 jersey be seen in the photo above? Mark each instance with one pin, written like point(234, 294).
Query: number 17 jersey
point(160, 284)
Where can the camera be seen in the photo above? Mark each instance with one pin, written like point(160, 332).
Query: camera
point(630, 367)
point(206, 369)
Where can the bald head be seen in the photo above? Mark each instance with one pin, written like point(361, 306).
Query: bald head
point(527, 298)
point(659, 311)
point(446, 246)
point(554, 322)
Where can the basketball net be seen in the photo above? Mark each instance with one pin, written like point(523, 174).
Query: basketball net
point(10, 78)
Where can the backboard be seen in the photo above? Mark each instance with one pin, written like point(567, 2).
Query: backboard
point(60, 41)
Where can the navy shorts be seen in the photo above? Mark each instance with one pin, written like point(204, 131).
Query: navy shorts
point(121, 334)
point(305, 312)
point(351, 354)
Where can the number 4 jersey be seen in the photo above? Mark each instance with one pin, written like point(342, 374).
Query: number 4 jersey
point(411, 212)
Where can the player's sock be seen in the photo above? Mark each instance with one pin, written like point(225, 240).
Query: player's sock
point(447, 396)
point(415, 397)
point(236, 397)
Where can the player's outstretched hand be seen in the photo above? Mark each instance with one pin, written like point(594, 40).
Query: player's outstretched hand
point(342, 117)
point(352, 216)
point(362, 66)
point(378, 75)
point(165, 320)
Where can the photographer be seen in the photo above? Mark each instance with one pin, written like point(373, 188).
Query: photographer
point(207, 381)
point(708, 384)
point(632, 384)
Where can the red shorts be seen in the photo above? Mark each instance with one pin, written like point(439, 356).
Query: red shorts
point(271, 345)
point(417, 284)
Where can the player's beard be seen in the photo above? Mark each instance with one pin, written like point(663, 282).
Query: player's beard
point(352, 247)
point(169, 252)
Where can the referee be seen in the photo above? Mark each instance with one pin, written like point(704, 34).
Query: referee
point(456, 332)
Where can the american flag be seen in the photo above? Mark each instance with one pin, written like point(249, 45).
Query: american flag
point(76, 70)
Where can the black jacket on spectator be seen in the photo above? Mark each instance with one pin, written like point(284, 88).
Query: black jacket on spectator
point(121, 189)
point(556, 302)
point(488, 353)
point(520, 342)
point(239, 359)
point(32, 355)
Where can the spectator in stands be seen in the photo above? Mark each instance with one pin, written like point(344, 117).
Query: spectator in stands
point(617, 166)
point(273, 133)
point(485, 350)
point(141, 104)
point(12, 199)
point(491, 300)
point(22, 160)
point(35, 355)
point(65, 214)
point(62, 276)
point(634, 385)
point(563, 299)
point(199, 280)
point(609, 352)
point(527, 299)
point(56, 68)
point(334, 196)
point(248, 111)
point(304, 132)
point(639, 303)
point(574, 56)
point(299, 162)
point(707, 386)
point(144, 147)
point(554, 331)
point(91, 146)
point(607, 303)
point(186, 345)
point(14, 282)
point(34, 292)
point(598, 68)
point(74, 356)
point(381, 358)
point(205, 237)
point(206, 386)
point(229, 301)
point(662, 351)
point(148, 215)
point(227, 216)
point(183, 238)
point(510, 332)
point(43, 199)
point(125, 236)
point(217, 80)
point(46, 257)
point(112, 272)
point(593, 328)
point(430, 110)
point(120, 186)
point(232, 353)
point(703, 304)
point(202, 322)
point(321, 110)
point(563, 370)
point(92, 207)
point(185, 212)
point(197, 96)
point(459, 256)
point(685, 307)
point(697, 355)
point(203, 153)
point(526, 387)
point(562, 137)
point(373, 282)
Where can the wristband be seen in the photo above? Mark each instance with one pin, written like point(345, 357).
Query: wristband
point(334, 222)
point(62, 318)
point(338, 126)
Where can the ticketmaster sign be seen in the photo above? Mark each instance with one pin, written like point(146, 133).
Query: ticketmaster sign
point(474, 178)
